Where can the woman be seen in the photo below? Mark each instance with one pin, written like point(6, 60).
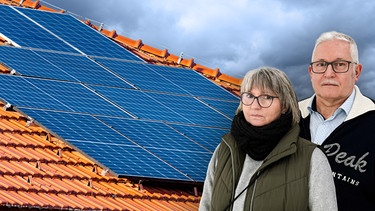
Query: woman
point(263, 164)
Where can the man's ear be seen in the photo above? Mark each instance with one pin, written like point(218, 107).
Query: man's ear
point(358, 71)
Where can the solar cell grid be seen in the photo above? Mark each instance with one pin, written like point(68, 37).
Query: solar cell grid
point(142, 76)
point(207, 137)
point(77, 97)
point(83, 69)
point(79, 35)
point(139, 104)
point(130, 161)
point(18, 91)
point(191, 109)
point(26, 33)
point(226, 107)
point(192, 164)
point(24, 61)
point(107, 146)
point(152, 134)
point(197, 84)
point(78, 127)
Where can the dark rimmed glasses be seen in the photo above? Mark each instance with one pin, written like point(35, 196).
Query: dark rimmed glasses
point(264, 101)
point(339, 66)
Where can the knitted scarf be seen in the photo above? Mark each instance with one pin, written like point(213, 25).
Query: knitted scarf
point(258, 142)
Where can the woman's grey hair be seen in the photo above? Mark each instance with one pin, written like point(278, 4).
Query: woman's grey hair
point(276, 81)
point(340, 36)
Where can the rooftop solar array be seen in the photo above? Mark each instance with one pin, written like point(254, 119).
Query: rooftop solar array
point(134, 119)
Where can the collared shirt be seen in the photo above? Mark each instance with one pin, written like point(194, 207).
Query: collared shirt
point(321, 128)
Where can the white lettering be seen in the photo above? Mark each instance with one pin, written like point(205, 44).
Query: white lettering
point(344, 178)
point(342, 157)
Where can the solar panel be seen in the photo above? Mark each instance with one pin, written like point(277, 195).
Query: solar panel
point(192, 109)
point(124, 151)
point(130, 161)
point(207, 137)
point(142, 76)
point(82, 37)
point(23, 32)
point(184, 154)
point(228, 108)
point(55, 95)
point(84, 69)
point(18, 91)
point(136, 119)
point(164, 107)
point(55, 65)
point(197, 85)
point(23, 61)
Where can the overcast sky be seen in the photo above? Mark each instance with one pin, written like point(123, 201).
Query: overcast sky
point(239, 35)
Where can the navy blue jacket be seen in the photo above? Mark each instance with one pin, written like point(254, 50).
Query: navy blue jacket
point(350, 149)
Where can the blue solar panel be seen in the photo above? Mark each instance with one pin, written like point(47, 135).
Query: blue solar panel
point(137, 119)
point(55, 95)
point(26, 33)
point(79, 35)
point(184, 154)
point(228, 108)
point(18, 91)
point(23, 62)
point(117, 150)
point(153, 134)
point(207, 137)
point(78, 127)
point(193, 110)
point(84, 69)
point(197, 85)
point(54, 65)
point(130, 161)
point(142, 76)
point(164, 107)
point(139, 104)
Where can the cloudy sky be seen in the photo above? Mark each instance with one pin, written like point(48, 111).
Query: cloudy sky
point(239, 35)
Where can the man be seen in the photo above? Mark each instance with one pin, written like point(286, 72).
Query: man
point(342, 120)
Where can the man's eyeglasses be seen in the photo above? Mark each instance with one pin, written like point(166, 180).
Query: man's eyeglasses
point(264, 101)
point(339, 66)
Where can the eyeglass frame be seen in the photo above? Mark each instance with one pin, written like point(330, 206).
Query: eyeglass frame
point(257, 98)
point(331, 63)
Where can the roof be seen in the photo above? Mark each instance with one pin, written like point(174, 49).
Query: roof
point(39, 171)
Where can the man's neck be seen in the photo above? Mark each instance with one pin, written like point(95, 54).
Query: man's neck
point(328, 107)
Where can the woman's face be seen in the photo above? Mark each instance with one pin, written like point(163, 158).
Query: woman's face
point(258, 116)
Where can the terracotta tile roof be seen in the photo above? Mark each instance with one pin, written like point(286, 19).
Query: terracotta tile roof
point(39, 171)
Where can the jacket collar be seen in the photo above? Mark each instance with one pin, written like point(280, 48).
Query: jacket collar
point(361, 105)
point(287, 146)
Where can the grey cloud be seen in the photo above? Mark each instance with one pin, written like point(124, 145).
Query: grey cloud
point(236, 39)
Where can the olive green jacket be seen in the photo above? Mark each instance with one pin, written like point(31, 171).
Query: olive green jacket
point(281, 182)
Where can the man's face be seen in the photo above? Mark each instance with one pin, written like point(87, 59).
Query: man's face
point(330, 85)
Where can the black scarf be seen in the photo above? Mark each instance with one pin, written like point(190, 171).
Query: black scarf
point(258, 142)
